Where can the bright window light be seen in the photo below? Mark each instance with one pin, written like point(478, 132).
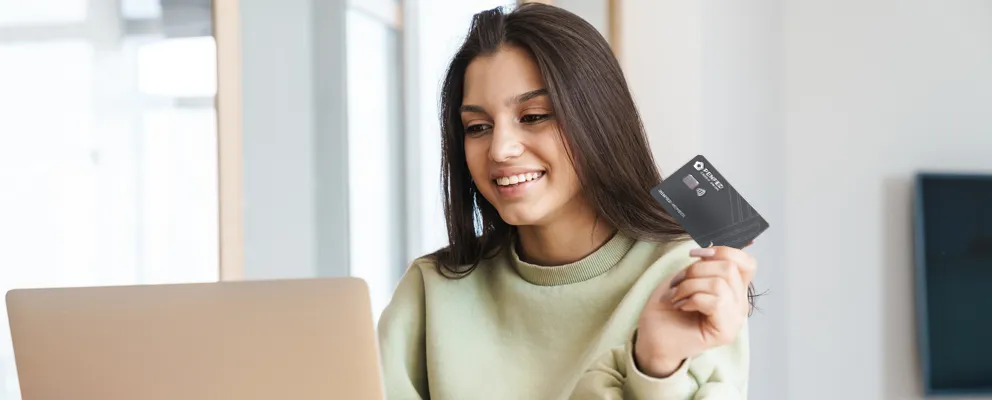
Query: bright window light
point(185, 67)
point(370, 58)
point(42, 12)
point(141, 9)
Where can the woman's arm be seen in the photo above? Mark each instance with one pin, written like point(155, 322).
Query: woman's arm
point(720, 373)
point(402, 342)
point(697, 316)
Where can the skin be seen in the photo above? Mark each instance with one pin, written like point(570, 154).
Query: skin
point(511, 129)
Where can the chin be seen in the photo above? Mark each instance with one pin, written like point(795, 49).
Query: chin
point(520, 215)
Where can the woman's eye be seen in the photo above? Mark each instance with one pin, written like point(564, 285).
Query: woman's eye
point(534, 118)
point(477, 129)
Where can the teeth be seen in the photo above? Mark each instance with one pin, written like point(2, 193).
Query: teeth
point(515, 179)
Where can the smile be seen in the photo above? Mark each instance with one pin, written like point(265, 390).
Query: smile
point(513, 180)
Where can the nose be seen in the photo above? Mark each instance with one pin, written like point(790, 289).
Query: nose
point(506, 143)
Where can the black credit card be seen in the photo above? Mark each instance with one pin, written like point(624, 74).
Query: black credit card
point(708, 207)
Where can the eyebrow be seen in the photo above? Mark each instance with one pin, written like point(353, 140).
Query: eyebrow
point(531, 95)
point(469, 108)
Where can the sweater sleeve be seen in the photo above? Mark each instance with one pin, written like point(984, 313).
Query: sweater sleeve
point(402, 340)
point(717, 374)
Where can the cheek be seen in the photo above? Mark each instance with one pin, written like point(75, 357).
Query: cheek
point(564, 179)
point(552, 150)
point(567, 181)
point(476, 157)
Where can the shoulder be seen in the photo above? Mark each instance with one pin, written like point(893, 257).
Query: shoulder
point(407, 302)
point(662, 259)
point(673, 251)
point(427, 270)
point(424, 264)
point(434, 265)
point(411, 283)
point(653, 252)
point(427, 267)
point(423, 280)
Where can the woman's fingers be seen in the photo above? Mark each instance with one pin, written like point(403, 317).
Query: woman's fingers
point(748, 265)
point(722, 323)
point(727, 270)
point(704, 303)
point(716, 286)
point(734, 267)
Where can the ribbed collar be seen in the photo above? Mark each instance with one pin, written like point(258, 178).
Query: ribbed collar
point(593, 265)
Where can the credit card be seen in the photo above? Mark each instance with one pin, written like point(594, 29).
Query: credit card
point(708, 207)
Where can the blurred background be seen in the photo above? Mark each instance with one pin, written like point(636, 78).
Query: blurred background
point(117, 166)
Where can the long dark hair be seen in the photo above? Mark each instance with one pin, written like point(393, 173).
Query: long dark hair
point(598, 119)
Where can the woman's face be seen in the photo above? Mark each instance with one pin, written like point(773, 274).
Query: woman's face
point(513, 146)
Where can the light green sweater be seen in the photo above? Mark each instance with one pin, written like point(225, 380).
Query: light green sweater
point(514, 330)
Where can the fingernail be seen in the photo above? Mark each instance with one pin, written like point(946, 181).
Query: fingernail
point(679, 277)
point(679, 303)
point(705, 252)
point(669, 294)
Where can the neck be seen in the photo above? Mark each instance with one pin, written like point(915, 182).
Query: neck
point(568, 239)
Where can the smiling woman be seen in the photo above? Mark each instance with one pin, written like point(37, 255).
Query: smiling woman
point(506, 91)
point(562, 277)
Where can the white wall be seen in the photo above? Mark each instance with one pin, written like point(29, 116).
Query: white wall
point(820, 111)
point(895, 87)
point(742, 132)
point(661, 54)
point(278, 136)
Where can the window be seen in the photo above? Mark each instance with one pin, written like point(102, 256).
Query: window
point(374, 153)
point(46, 12)
point(107, 152)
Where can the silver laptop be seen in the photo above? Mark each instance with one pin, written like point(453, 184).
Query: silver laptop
point(283, 339)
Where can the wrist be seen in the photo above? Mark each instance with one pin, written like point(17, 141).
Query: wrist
point(653, 364)
point(659, 368)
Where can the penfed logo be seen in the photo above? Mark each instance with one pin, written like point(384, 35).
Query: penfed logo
point(699, 166)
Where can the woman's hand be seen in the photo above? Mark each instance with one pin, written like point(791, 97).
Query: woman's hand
point(702, 307)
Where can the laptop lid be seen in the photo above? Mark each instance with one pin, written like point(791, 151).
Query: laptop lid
point(284, 339)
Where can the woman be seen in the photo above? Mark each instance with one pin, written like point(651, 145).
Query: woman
point(563, 278)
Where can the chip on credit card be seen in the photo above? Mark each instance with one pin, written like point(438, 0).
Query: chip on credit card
point(708, 207)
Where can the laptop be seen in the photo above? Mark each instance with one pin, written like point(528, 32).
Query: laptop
point(277, 339)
